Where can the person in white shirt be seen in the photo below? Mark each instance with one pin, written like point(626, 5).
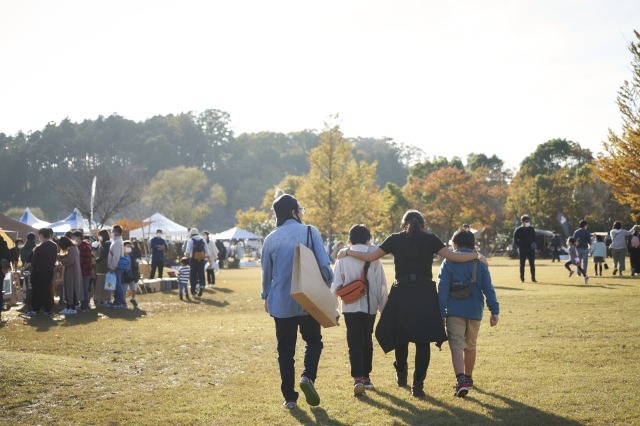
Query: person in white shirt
point(360, 315)
point(213, 251)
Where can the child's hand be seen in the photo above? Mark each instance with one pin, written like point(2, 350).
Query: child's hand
point(493, 320)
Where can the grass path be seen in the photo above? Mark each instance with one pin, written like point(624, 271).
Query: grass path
point(563, 353)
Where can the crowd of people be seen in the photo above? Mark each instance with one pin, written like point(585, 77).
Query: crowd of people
point(76, 270)
point(415, 310)
point(618, 243)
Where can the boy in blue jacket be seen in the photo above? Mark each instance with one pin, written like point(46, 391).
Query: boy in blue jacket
point(462, 316)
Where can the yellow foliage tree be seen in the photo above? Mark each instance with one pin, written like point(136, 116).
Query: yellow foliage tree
point(338, 192)
point(619, 167)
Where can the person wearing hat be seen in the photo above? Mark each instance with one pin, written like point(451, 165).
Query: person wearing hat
point(524, 237)
point(277, 264)
point(197, 252)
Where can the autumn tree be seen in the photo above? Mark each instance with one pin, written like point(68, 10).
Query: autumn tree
point(256, 221)
point(338, 192)
point(619, 166)
point(184, 194)
point(447, 198)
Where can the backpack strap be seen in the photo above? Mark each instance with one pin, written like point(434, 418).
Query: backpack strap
point(475, 271)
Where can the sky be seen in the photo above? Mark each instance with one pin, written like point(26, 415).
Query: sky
point(451, 77)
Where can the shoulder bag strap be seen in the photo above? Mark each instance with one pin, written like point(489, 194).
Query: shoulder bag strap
point(475, 271)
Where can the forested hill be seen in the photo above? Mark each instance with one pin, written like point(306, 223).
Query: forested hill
point(52, 168)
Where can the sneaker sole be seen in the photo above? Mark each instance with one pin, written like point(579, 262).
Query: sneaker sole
point(358, 389)
point(462, 393)
point(310, 394)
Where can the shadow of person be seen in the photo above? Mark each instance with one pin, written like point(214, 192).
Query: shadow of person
point(211, 302)
point(41, 322)
point(301, 416)
point(126, 314)
point(221, 289)
point(323, 418)
point(518, 411)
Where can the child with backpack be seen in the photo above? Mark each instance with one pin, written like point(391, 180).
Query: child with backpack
point(462, 289)
point(360, 315)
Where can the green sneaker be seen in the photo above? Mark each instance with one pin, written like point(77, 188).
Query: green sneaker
point(313, 399)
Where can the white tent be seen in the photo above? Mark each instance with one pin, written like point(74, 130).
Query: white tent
point(29, 219)
point(170, 229)
point(236, 233)
point(71, 222)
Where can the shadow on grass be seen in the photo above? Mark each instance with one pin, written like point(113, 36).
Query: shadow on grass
point(582, 285)
point(508, 411)
point(507, 288)
point(321, 417)
point(207, 301)
point(221, 289)
point(46, 322)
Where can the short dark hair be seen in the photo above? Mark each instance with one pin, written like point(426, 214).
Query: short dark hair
point(583, 223)
point(19, 240)
point(525, 218)
point(78, 233)
point(359, 234)
point(45, 232)
point(571, 240)
point(65, 242)
point(118, 229)
point(617, 224)
point(464, 239)
point(599, 238)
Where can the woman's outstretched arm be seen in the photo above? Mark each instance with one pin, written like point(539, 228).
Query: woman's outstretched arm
point(461, 256)
point(362, 255)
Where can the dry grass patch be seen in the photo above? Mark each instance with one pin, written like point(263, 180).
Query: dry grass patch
point(563, 353)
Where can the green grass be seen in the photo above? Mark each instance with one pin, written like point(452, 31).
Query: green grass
point(563, 353)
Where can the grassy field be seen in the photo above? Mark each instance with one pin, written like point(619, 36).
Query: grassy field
point(563, 353)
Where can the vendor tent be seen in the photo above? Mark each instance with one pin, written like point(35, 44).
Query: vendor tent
point(170, 229)
point(236, 233)
point(15, 229)
point(71, 222)
point(29, 219)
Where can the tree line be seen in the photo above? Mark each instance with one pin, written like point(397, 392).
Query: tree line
point(194, 169)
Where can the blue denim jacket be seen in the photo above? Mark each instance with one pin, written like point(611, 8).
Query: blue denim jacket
point(277, 263)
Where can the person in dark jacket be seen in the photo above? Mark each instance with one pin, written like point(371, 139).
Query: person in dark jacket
point(412, 313)
point(524, 238)
point(555, 246)
point(43, 261)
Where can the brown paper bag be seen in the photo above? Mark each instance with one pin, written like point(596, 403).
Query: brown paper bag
point(309, 289)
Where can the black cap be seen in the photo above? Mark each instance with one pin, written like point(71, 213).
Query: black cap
point(283, 206)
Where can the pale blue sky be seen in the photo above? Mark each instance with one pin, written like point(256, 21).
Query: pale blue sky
point(451, 77)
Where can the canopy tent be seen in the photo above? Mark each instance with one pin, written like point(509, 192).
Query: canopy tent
point(129, 224)
point(15, 229)
point(71, 222)
point(236, 233)
point(156, 221)
point(29, 219)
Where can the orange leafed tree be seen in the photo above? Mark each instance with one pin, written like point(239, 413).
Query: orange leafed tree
point(620, 166)
point(447, 198)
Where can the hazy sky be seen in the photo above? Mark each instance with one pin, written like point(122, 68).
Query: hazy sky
point(451, 77)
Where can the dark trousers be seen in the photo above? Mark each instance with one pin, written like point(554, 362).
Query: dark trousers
point(41, 288)
point(287, 335)
point(196, 274)
point(211, 277)
point(556, 255)
point(423, 357)
point(360, 342)
point(529, 254)
point(580, 270)
point(156, 264)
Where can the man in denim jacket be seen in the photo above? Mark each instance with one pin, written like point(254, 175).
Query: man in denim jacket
point(277, 265)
